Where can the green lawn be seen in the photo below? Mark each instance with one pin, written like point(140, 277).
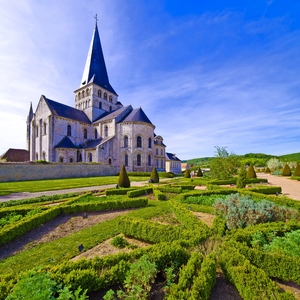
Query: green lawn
point(32, 186)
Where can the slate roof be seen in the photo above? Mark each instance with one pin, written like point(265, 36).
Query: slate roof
point(95, 68)
point(65, 143)
point(112, 114)
point(137, 115)
point(172, 156)
point(90, 144)
point(16, 155)
point(66, 111)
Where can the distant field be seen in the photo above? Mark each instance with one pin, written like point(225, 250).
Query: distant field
point(7, 188)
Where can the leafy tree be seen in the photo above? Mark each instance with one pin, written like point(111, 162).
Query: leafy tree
point(251, 172)
point(297, 170)
point(241, 180)
point(187, 173)
point(199, 173)
point(123, 178)
point(274, 164)
point(154, 176)
point(225, 164)
point(286, 170)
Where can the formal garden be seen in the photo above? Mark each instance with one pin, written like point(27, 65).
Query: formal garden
point(180, 238)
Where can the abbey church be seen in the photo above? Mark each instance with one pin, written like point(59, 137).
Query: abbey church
point(98, 128)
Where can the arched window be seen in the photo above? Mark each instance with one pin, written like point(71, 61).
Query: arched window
point(44, 155)
point(126, 160)
point(86, 104)
point(162, 164)
point(37, 131)
point(125, 141)
point(149, 143)
point(36, 156)
point(161, 152)
point(139, 142)
point(61, 159)
point(156, 151)
point(110, 99)
point(69, 130)
point(87, 92)
point(100, 105)
point(82, 94)
point(45, 128)
point(109, 161)
point(71, 160)
point(138, 160)
point(85, 133)
point(106, 131)
point(99, 93)
point(90, 157)
point(95, 133)
point(79, 95)
point(80, 157)
point(105, 96)
point(149, 160)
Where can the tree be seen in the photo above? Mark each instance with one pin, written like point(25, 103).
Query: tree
point(187, 173)
point(123, 178)
point(199, 173)
point(154, 176)
point(267, 170)
point(251, 172)
point(297, 171)
point(224, 165)
point(286, 170)
point(241, 180)
point(274, 163)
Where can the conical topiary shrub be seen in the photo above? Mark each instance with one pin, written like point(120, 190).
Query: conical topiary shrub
point(154, 176)
point(199, 173)
point(297, 171)
point(123, 178)
point(187, 174)
point(267, 170)
point(251, 172)
point(241, 180)
point(286, 170)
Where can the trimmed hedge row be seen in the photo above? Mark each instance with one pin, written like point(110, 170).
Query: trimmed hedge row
point(156, 233)
point(12, 231)
point(233, 181)
point(170, 189)
point(275, 265)
point(139, 192)
point(266, 189)
point(196, 279)
point(119, 191)
point(250, 281)
point(219, 227)
point(159, 195)
point(43, 198)
point(17, 229)
point(188, 219)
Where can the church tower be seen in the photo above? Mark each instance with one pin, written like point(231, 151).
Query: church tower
point(95, 95)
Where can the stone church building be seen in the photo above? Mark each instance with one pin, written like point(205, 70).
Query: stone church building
point(98, 128)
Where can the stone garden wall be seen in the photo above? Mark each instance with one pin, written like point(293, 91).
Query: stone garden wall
point(36, 171)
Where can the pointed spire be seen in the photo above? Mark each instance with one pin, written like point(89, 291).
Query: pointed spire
point(30, 114)
point(95, 68)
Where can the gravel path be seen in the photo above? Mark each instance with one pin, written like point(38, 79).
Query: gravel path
point(290, 188)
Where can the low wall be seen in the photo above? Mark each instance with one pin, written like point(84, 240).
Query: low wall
point(35, 171)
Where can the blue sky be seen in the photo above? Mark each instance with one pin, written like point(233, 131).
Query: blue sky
point(207, 73)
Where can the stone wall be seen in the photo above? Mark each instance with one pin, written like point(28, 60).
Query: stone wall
point(36, 171)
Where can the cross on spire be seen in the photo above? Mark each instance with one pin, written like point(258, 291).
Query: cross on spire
point(96, 19)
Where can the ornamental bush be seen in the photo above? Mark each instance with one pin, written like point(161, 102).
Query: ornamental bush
point(123, 178)
point(297, 171)
point(241, 180)
point(187, 174)
point(286, 170)
point(199, 173)
point(267, 170)
point(251, 172)
point(154, 176)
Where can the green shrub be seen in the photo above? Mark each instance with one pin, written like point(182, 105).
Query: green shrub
point(251, 172)
point(241, 180)
point(199, 173)
point(139, 192)
point(267, 170)
point(241, 211)
point(265, 189)
point(297, 171)
point(286, 170)
point(159, 195)
point(119, 242)
point(187, 174)
point(154, 176)
point(123, 178)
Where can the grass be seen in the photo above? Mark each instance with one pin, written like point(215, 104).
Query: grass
point(32, 186)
